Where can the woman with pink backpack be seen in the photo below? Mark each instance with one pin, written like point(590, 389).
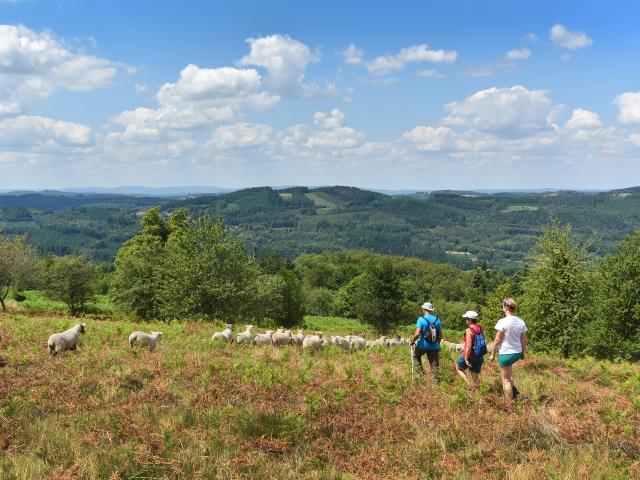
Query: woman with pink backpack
point(473, 351)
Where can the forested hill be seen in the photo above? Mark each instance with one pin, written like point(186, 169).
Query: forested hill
point(455, 227)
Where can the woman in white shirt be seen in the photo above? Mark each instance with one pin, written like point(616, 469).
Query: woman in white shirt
point(511, 344)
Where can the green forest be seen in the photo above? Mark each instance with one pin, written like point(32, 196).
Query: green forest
point(464, 229)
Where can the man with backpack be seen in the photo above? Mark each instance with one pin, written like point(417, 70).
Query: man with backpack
point(473, 351)
point(428, 336)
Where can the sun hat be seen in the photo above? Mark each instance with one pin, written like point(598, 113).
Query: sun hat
point(470, 314)
point(428, 306)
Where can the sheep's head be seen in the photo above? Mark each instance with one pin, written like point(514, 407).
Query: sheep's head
point(157, 334)
point(230, 326)
point(81, 327)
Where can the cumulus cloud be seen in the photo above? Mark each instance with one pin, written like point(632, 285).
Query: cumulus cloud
point(353, 55)
point(284, 58)
point(241, 135)
point(629, 106)
point(197, 83)
point(333, 119)
point(507, 112)
point(33, 65)
point(583, 119)
point(428, 138)
point(563, 38)
point(386, 64)
point(518, 54)
point(35, 132)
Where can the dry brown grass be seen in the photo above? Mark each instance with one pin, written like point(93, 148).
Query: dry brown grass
point(194, 409)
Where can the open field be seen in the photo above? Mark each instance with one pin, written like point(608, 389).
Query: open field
point(194, 409)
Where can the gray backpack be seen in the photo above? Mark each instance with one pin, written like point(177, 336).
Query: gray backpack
point(431, 335)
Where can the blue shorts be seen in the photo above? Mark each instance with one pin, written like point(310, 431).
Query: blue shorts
point(476, 364)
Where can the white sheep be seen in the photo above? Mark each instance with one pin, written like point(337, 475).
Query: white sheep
point(246, 336)
point(313, 342)
point(67, 340)
point(143, 338)
point(357, 342)
point(298, 338)
point(281, 338)
point(263, 338)
point(342, 342)
point(226, 334)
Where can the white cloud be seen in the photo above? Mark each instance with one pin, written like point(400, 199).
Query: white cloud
point(284, 58)
point(386, 64)
point(34, 132)
point(430, 73)
point(583, 119)
point(564, 38)
point(530, 37)
point(353, 55)
point(241, 135)
point(197, 83)
point(629, 106)
point(518, 54)
point(33, 65)
point(333, 119)
point(429, 138)
point(507, 112)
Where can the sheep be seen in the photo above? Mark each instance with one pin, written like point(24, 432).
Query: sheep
point(67, 340)
point(298, 338)
point(342, 342)
point(281, 338)
point(263, 338)
point(246, 336)
point(358, 342)
point(143, 338)
point(313, 342)
point(226, 334)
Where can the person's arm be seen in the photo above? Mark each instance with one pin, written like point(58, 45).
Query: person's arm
point(496, 344)
point(468, 341)
point(416, 336)
point(523, 340)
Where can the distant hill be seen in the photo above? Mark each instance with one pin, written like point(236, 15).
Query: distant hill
point(458, 227)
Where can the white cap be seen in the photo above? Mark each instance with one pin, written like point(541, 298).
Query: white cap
point(471, 314)
point(428, 306)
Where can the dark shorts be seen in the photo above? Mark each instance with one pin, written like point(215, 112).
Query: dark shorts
point(476, 364)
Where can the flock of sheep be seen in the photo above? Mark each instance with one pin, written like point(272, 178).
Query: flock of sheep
point(68, 340)
point(282, 337)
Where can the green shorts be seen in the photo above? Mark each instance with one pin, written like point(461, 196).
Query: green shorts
point(508, 359)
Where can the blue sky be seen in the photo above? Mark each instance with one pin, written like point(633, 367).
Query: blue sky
point(398, 95)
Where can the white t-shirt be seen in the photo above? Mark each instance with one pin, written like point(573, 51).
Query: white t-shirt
point(512, 327)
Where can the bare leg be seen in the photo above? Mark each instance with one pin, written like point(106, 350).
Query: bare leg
point(462, 375)
point(476, 380)
point(507, 383)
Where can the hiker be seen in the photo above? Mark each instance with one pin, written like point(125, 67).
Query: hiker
point(473, 351)
point(511, 344)
point(428, 336)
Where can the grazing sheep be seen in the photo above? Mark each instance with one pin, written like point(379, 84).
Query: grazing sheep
point(143, 338)
point(67, 340)
point(280, 338)
point(263, 338)
point(358, 342)
point(226, 334)
point(298, 338)
point(246, 336)
point(458, 346)
point(313, 342)
point(342, 342)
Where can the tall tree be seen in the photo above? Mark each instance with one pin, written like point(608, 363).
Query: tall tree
point(616, 322)
point(72, 280)
point(556, 293)
point(205, 271)
point(18, 266)
point(380, 298)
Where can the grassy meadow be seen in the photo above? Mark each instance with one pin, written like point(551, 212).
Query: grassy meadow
point(198, 410)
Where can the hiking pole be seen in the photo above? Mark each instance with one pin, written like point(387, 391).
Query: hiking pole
point(411, 347)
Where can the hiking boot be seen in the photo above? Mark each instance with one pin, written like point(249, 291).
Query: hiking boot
point(515, 392)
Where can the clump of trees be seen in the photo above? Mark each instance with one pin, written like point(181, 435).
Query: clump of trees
point(18, 267)
point(72, 280)
point(185, 267)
